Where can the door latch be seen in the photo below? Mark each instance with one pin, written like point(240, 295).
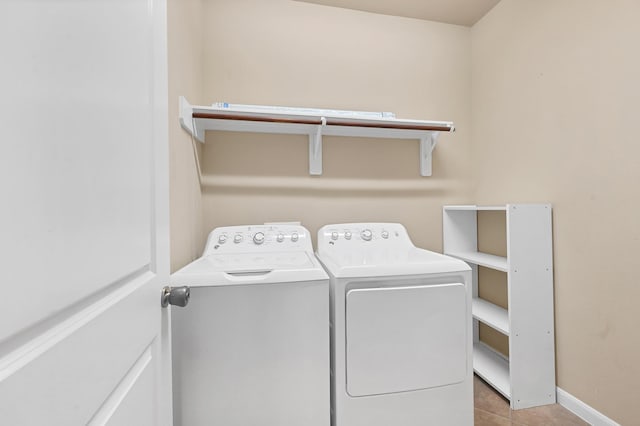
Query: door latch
point(176, 296)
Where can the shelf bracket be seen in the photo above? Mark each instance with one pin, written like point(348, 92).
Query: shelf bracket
point(190, 124)
point(427, 144)
point(315, 149)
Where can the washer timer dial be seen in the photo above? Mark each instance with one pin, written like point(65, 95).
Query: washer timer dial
point(258, 238)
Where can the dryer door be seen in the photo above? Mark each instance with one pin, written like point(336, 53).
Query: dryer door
point(405, 338)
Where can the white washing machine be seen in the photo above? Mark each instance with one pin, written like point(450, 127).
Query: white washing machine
point(401, 332)
point(252, 346)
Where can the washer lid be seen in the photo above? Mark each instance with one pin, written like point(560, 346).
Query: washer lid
point(249, 262)
point(250, 268)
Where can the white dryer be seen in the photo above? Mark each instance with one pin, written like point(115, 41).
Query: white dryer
point(401, 332)
point(252, 346)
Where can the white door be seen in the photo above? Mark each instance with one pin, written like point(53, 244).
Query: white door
point(83, 212)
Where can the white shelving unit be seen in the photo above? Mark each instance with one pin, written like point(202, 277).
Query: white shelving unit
point(314, 123)
point(527, 377)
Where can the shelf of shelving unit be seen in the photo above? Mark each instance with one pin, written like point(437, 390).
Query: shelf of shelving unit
point(314, 123)
point(483, 259)
point(527, 377)
point(475, 208)
point(492, 315)
point(492, 367)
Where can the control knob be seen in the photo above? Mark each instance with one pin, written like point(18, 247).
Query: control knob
point(347, 235)
point(334, 235)
point(258, 238)
point(222, 239)
point(385, 234)
point(280, 238)
point(366, 234)
point(294, 237)
point(237, 238)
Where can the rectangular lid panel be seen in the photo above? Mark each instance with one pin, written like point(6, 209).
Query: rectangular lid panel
point(402, 339)
point(250, 268)
point(247, 262)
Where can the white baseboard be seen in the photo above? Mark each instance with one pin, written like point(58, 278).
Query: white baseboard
point(582, 410)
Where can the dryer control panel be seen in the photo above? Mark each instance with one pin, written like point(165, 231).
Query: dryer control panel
point(258, 239)
point(377, 249)
point(365, 235)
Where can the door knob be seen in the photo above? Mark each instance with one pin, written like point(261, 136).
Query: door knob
point(176, 296)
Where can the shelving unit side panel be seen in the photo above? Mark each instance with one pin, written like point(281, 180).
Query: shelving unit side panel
point(474, 295)
point(530, 281)
point(459, 231)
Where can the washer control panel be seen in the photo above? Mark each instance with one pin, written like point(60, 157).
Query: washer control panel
point(258, 239)
point(352, 235)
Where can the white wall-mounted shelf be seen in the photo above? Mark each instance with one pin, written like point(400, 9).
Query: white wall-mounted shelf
point(197, 119)
point(527, 377)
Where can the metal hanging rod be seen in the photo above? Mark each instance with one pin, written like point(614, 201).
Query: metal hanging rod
point(318, 121)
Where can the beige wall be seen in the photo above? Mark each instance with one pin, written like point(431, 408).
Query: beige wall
point(556, 89)
point(186, 79)
point(280, 52)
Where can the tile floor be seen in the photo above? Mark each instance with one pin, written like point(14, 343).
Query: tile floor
point(491, 409)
